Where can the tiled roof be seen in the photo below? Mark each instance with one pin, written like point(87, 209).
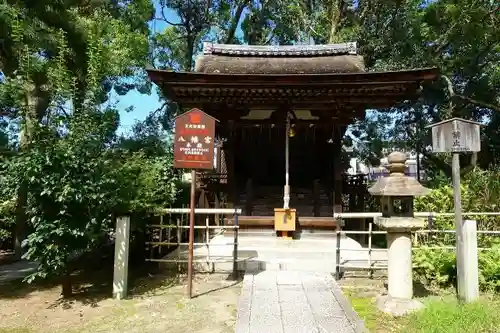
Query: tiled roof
point(280, 50)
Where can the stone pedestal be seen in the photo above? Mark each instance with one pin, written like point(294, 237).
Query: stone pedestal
point(400, 285)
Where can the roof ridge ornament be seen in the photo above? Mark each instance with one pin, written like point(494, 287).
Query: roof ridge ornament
point(349, 48)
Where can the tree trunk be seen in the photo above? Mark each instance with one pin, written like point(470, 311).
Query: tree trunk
point(335, 17)
point(67, 288)
point(36, 103)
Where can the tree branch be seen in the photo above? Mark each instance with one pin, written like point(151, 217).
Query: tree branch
point(63, 111)
point(164, 18)
point(236, 21)
point(479, 103)
point(168, 22)
point(451, 92)
point(160, 108)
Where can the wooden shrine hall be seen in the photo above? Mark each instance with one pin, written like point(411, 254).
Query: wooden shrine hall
point(283, 111)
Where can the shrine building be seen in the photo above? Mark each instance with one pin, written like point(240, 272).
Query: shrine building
point(282, 113)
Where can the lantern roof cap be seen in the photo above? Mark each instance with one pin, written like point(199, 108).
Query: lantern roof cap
point(397, 184)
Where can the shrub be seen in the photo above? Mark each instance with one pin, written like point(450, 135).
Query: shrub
point(480, 191)
point(437, 267)
point(7, 223)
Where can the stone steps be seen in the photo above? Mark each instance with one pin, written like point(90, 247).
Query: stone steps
point(258, 253)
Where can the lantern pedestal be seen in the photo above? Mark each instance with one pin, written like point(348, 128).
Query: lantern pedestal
point(399, 249)
point(400, 285)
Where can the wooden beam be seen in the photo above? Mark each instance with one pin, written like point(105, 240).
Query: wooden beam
point(307, 222)
point(363, 103)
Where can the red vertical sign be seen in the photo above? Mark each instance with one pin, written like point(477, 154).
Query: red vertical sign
point(194, 140)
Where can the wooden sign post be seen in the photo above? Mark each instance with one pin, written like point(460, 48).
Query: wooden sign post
point(193, 149)
point(457, 136)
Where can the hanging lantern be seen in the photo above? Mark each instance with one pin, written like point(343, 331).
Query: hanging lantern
point(291, 131)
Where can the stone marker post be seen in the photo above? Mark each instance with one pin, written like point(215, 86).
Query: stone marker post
point(457, 136)
point(397, 192)
point(120, 274)
point(470, 291)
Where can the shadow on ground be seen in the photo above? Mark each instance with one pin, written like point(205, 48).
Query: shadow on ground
point(93, 285)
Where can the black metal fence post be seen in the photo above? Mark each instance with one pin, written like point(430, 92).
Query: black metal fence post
point(235, 246)
point(337, 250)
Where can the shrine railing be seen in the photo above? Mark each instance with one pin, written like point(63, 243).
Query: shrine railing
point(171, 234)
point(425, 239)
point(164, 240)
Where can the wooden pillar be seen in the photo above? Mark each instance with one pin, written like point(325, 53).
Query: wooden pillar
point(337, 169)
point(249, 198)
point(231, 175)
point(316, 198)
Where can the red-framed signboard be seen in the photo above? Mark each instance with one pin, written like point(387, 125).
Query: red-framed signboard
point(194, 140)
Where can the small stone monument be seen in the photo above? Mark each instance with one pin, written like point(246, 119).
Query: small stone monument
point(396, 193)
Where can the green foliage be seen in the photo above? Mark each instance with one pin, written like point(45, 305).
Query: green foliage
point(150, 183)
point(7, 222)
point(71, 188)
point(71, 176)
point(479, 190)
point(437, 267)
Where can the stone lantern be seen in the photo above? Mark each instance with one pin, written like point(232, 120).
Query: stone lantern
point(396, 198)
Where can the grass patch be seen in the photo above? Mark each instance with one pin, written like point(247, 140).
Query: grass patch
point(375, 321)
point(447, 315)
point(440, 315)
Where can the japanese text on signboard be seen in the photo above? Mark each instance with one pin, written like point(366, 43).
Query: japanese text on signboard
point(194, 140)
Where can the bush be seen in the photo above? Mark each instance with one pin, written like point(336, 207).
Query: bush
point(480, 192)
point(437, 267)
point(7, 223)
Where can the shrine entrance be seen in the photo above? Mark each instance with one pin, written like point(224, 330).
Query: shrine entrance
point(283, 110)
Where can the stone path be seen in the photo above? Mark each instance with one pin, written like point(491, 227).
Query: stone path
point(294, 302)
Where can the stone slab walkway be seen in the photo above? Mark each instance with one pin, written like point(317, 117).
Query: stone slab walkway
point(294, 302)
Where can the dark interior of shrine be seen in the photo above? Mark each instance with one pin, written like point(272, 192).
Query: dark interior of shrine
point(260, 155)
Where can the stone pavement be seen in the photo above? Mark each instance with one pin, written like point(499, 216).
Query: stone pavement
point(294, 302)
